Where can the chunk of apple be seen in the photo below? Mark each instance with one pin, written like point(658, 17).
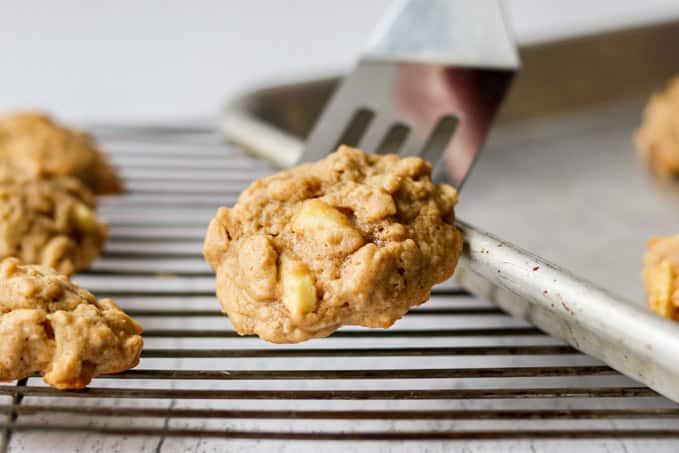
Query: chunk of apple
point(297, 287)
point(323, 224)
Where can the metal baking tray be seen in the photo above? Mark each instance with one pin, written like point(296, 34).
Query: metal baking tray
point(559, 182)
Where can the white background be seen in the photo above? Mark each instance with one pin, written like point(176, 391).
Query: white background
point(128, 59)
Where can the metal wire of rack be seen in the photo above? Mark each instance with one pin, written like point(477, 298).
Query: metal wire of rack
point(455, 368)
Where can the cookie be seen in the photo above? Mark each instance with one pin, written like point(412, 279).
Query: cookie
point(658, 138)
point(51, 222)
point(50, 325)
point(34, 145)
point(661, 276)
point(354, 239)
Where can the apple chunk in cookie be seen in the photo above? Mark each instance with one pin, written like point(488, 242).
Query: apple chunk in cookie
point(354, 239)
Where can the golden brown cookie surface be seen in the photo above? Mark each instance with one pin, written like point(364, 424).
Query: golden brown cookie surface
point(35, 146)
point(354, 239)
point(51, 222)
point(50, 325)
point(658, 138)
point(661, 276)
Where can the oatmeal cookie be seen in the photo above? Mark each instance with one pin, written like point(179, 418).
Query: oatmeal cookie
point(35, 146)
point(354, 239)
point(661, 276)
point(50, 222)
point(658, 138)
point(50, 325)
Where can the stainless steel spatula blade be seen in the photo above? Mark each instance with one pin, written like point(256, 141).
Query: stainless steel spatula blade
point(429, 84)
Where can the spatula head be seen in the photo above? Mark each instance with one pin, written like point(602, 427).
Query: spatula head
point(429, 84)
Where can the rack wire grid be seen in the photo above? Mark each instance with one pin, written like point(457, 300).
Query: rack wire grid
point(456, 368)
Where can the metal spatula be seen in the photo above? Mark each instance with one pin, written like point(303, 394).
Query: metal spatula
point(429, 84)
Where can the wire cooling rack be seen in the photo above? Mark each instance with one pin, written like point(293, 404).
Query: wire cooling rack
point(456, 368)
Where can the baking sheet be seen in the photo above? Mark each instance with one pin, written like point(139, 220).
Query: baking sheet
point(571, 189)
point(560, 175)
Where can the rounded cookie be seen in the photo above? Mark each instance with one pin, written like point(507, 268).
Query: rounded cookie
point(658, 137)
point(353, 239)
point(50, 222)
point(36, 146)
point(50, 325)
